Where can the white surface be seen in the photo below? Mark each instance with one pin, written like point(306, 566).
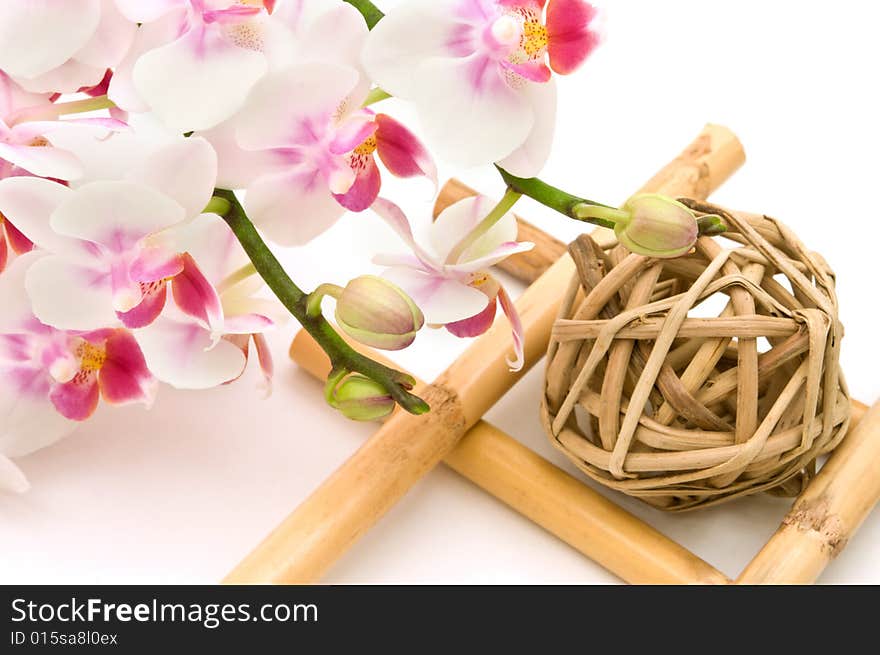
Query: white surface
point(181, 493)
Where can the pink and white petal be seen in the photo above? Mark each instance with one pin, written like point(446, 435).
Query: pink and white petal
point(457, 220)
point(469, 113)
point(569, 37)
point(36, 37)
point(248, 324)
point(11, 477)
point(398, 260)
point(155, 264)
point(292, 208)
point(516, 330)
point(14, 300)
point(237, 167)
point(264, 357)
point(78, 399)
point(115, 214)
point(196, 296)
point(277, 111)
point(19, 243)
point(83, 301)
point(69, 77)
point(4, 252)
point(180, 80)
point(110, 41)
point(405, 39)
point(534, 71)
point(324, 30)
point(530, 157)
point(104, 154)
point(29, 421)
point(213, 245)
point(441, 300)
point(184, 355)
point(43, 161)
point(146, 11)
point(124, 377)
point(184, 170)
point(365, 189)
point(401, 152)
point(501, 253)
point(352, 132)
point(397, 220)
point(29, 202)
point(153, 298)
point(476, 324)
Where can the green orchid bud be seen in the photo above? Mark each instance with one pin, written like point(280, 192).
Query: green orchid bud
point(657, 226)
point(377, 313)
point(362, 399)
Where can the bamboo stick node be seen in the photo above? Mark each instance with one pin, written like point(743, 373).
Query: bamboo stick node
point(648, 395)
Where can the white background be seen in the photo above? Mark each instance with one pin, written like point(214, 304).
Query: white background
point(182, 492)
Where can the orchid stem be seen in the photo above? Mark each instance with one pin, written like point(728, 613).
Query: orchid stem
point(504, 205)
point(342, 356)
point(313, 306)
point(371, 13)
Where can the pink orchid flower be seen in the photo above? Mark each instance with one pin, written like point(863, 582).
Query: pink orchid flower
point(477, 73)
point(461, 295)
point(106, 241)
point(184, 352)
point(194, 61)
point(60, 46)
point(50, 379)
point(310, 150)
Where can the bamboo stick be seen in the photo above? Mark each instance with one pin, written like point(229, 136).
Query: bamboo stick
point(359, 493)
point(558, 502)
point(829, 511)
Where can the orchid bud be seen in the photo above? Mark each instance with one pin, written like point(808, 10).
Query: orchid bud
point(657, 226)
point(377, 313)
point(362, 399)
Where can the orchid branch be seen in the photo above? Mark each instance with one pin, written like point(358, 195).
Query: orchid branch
point(371, 13)
point(342, 356)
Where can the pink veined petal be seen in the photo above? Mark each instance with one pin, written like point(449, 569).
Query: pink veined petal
point(43, 161)
point(115, 214)
point(184, 355)
point(535, 71)
point(351, 133)
point(476, 324)
point(78, 399)
point(401, 152)
point(516, 329)
point(82, 302)
point(11, 477)
point(196, 296)
point(501, 253)
point(37, 37)
point(179, 81)
point(247, 324)
point(569, 38)
point(365, 189)
point(155, 264)
point(153, 298)
point(292, 208)
point(19, 243)
point(397, 220)
point(124, 377)
point(184, 170)
point(442, 300)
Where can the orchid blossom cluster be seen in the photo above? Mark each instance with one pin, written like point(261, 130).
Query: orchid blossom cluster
point(148, 147)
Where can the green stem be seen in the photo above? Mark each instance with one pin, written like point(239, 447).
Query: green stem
point(376, 95)
point(313, 306)
point(369, 11)
point(342, 356)
point(504, 205)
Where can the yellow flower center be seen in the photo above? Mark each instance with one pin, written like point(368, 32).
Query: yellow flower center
point(39, 142)
point(368, 147)
point(91, 357)
point(534, 38)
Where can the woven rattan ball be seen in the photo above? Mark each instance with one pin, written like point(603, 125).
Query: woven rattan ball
point(687, 382)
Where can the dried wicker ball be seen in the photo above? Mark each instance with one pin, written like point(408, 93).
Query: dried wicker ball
point(688, 382)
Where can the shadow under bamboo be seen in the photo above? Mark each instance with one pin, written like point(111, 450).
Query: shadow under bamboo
point(382, 470)
point(553, 499)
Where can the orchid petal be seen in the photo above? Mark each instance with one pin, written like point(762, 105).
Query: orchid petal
point(37, 37)
point(110, 41)
point(153, 298)
point(501, 253)
point(442, 300)
point(184, 170)
point(124, 377)
point(13, 298)
point(11, 477)
point(78, 399)
point(397, 220)
point(352, 133)
point(516, 329)
point(69, 77)
point(460, 218)
point(476, 324)
point(530, 157)
point(181, 81)
point(196, 296)
point(237, 167)
point(155, 264)
point(248, 324)
point(264, 356)
point(28, 421)
point(534, 71)
point(115, 214)
point(29, 202)
point(43, 161)
point(401, 152)
point(4, 252)
point(19, 243)
point(211, 243)
point(365, 189)
point(82, 302)
point(569, 38)
point(323, 30)
point(146, 11)
point(184, 355)
point(292, 208)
